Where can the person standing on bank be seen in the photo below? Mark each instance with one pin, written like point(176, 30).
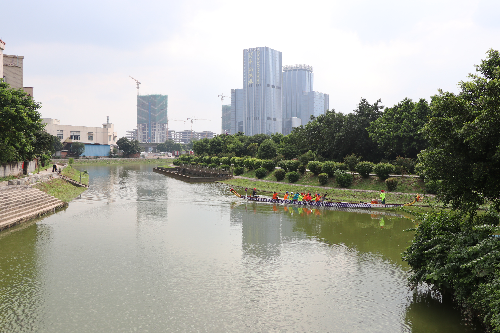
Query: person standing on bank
point(382, 197)
point(54, 168)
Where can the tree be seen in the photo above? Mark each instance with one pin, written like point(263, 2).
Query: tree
point(169, 146)
point(128, 147)
point(267, 149)
point(56, 144)
point(397, 132)
point(19, 123)
point(464, 139)
point(77, 148)
point(202, 146)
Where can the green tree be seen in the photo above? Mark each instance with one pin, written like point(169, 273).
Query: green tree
point(56, 144)
point(267, 149)
point(19, 123)
point(128, 147)
point(397, 131)
point(464, 139)
point(169, 146)
point(77, 148)
point(202, 147)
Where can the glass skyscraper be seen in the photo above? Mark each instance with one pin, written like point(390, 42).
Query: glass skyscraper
point(262, 91)
point(226, 119)
point(152, 118)
point(237, 110)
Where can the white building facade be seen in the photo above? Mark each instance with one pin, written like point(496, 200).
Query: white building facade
point(104, 135)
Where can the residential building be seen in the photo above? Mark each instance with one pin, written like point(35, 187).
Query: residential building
point(187, 135)
point(262, 91)
point(237, 110)
point(226, 119)
point(104, 135)
point(2, 47)
point(152, 118)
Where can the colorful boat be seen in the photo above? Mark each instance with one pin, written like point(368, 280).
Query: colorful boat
point(320, 203)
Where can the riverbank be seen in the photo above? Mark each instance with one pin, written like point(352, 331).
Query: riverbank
point(112, 161)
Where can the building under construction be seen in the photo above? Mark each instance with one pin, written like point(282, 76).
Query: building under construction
point(152, 118)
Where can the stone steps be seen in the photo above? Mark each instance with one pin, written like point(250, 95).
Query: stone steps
point(74, 182)
point(21, 203)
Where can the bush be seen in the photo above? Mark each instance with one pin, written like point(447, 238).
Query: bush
point(237, 161)
point(383, 170)
point(176, 162)
point(404, 165)
point(343, 178)
point(260, 173)
point(225, 167)
point(248, 163)
point(364, 168)
point(292, 176)
point(257, 163)
point(315, 167)
point(305, 158)
point(203, 164)
point(351, 161)
point(292, 165)
point(212, 165)
point(215, 160)
point(225, 160)
point(71, 160)
point(302, 169)
point(206, 159)
point(323, 178)
point(193, 163)
point(279, 174)
point(391, 183)
point(282, 164)
point(432, 186)
point(269, 165)
point(329, 167)
point(238, 170)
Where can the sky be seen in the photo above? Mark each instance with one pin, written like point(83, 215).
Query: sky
point(78, 56)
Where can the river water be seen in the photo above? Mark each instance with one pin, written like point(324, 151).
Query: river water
point(141, 252)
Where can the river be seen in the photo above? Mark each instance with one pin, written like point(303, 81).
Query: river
point(141, 252)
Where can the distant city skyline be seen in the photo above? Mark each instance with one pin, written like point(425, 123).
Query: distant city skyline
point(78, 57)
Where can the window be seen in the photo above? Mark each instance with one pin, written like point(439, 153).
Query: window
point(91, 136)
point(109, 137)
point(60, 134)
point(74, 135)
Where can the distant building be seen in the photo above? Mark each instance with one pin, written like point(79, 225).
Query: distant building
point(152, 118)
point(12, 70)
point(262, 91)
point(2, 47)
point(237, 110)
point(104, 135)
point(299, 99)
point(226, 119)
point(132, 135)
point(187, 136)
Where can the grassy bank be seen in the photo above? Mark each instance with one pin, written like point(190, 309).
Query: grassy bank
point(60, 189)
point(75, 175)
point(112, 161)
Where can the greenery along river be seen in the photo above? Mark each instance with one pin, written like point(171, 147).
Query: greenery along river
point(143, 252)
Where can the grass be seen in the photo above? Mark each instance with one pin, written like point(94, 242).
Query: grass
point(108, 161)
point(60, 189)
point(75, 175)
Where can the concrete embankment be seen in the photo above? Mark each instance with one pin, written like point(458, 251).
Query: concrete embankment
point(22, 203)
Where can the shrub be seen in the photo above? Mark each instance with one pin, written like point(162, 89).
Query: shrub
point(404, 165)
point(329, 167)
point(302, 168)
point(257, 163)
point(71, 160)
point(260, 173)
point(343, 178)
point(176, 162)
point(283, 164)
point(315, 167)
point(292, 165)
point(238, 170)
point(364, 168)
point(212, 165)
point(323, 178)
point(225, 167)
point(342, 166)
point(351, 161)
point(391, 183)
point(193, 163)
point(215, 160)
point(269, 165)
point(248, 163)
point(225, 160)
point(432, 186)
point(195, 159)
point(292, 176)
point(202, 164)
point(383, 170)
point(279, 174)
point(237, 161)
point(206, 159)
point(305, 158)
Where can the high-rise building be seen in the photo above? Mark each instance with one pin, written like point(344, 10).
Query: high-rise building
point(237, 110)
point(2, 47)
point(226, 119)
point(262, 91)
point(299, 99)
point(152, 118)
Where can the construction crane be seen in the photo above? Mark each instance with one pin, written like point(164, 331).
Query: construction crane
point(221, 98)
point(191, 120)
point(137, 82)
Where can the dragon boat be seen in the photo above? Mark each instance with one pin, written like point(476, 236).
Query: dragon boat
point(367, 205)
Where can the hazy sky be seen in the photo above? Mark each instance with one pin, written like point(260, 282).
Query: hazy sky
point(79, 55)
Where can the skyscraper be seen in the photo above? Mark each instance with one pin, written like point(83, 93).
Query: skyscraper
point(226, 119)
point(152, 118)
point(262, 91)
point(237, 110)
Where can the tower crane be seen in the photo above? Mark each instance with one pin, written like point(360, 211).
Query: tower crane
point(222, 97)
point(137, 82)
point(191, 120)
